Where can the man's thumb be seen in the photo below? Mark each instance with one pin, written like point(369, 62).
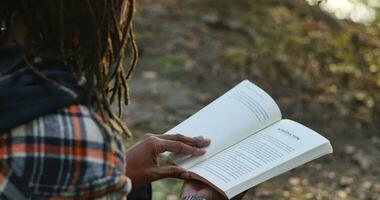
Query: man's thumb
point(172, 172)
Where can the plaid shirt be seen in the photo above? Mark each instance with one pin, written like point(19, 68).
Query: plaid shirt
point(64, 155)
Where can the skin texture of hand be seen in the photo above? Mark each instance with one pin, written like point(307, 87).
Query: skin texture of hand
point(142, 165)
point(200, 189)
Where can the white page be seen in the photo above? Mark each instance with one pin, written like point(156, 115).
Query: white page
point(240, 112)
point(241, 166)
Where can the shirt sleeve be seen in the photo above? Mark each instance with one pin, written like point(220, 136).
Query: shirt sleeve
point(11, 185)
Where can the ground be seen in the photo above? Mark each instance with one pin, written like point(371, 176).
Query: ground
point(190, 55)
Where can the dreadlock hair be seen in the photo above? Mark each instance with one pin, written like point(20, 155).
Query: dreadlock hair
point(94, 38)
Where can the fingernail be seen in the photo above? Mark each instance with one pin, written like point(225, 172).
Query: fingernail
point(207, 141)
point(201, 152)
point(199, 138)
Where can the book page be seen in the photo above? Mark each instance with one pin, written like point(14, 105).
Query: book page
point(240, 112)
point(273, 150)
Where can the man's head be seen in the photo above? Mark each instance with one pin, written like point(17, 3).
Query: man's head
point(91, 37)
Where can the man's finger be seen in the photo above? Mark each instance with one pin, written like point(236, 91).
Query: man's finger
point(178, 147)
point(199, 141)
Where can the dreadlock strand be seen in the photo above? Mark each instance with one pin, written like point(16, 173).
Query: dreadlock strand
point(134, 56)
point(120, 102)
point(62, 27)
point(96, 28)
point(114, 89)
point(5, 76)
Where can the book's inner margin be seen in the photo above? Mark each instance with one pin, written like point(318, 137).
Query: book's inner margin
point(239, 113)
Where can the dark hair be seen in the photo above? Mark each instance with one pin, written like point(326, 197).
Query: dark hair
point(94, 38)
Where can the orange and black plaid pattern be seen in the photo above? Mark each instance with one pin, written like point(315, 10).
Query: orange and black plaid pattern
point(63, 155)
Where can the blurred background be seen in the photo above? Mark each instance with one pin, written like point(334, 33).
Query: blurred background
point(320, 60)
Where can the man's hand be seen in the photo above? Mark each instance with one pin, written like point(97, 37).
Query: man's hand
point(142, 166)
point(199, 189)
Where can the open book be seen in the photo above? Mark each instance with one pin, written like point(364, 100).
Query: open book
point(250, 143)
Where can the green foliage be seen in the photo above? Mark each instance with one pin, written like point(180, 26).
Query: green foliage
point(334, 63)
point(170, 64)
point(236, 55)
point(322, 71)
point(167, 187)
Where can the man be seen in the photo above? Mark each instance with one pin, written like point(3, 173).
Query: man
point(61, 68)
